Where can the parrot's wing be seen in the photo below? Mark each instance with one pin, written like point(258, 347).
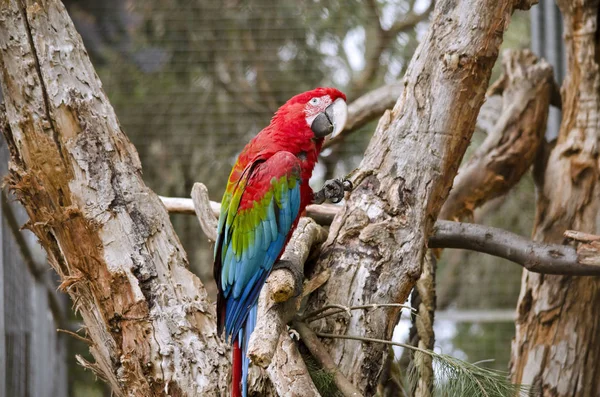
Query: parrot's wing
point(255, 223)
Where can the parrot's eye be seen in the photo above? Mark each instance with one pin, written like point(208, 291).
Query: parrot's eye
point(315, 101)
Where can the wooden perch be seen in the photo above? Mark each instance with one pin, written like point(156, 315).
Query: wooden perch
point(323, 214)
point(511, 146)
point(555, 258)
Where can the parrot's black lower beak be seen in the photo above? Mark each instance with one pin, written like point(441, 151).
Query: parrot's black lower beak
point(322, 124)
point(331, 121)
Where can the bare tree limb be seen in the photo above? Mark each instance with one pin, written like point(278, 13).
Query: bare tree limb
point(535, 256)
point(381, 42)
point(288, 372)
point(319, 352)
point(511, 146)
point(323, 214)
point(545, 258)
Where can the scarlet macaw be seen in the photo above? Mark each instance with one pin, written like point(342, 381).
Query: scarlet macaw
point(265, 195)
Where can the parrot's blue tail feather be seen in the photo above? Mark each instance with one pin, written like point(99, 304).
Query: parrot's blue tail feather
point(244, 337)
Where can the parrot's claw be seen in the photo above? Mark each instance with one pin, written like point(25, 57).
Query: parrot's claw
point(293, 334)
point(333, 190)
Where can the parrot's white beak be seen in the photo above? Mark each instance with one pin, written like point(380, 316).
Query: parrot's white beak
point(338, 114)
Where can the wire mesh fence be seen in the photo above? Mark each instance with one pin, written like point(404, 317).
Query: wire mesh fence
point(33, 356)
point(192, 81)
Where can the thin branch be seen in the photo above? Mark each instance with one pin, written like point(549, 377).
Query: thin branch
point(75, 335)
point(316, 315)
point(365, 339)
point(534, 256)
point(323, 214)
point(319, 352)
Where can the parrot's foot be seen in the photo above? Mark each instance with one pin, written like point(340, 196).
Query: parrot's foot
point(333, 190)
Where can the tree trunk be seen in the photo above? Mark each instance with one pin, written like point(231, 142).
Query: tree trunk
point(557, 344)
point(377, 244)
point(106, 234)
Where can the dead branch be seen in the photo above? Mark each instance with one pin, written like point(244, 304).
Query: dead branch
point(288, 371)
point(319, 352)
point(535, 256)
point(275, 306)
point(511, 146)
point(448, 234)
point(323, 214)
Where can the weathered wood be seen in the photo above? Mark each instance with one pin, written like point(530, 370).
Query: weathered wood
point(511, 146)
point(377, 244)
point(557, 343)
point(106, 234)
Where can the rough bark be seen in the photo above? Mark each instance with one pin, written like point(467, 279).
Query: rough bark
point(557, 343)
point(511, 146)
point(377, 244)
point(106, 234)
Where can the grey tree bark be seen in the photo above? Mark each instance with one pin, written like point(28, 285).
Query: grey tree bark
point(377, 244)
point(557, 343)
point(106, 234)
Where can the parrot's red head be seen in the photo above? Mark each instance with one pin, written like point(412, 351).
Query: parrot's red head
point(315, 114)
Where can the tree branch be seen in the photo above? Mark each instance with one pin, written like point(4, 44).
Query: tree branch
point(534, 256)
point(511, 146)
point(382, 40)
point(319, 352)
point(323, 214)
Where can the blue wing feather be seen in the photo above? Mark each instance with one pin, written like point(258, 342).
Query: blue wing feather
point(244, 271)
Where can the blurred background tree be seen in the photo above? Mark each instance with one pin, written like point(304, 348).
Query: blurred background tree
point(192, 81)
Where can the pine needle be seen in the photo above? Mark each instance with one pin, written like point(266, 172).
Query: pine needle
point(455, 377)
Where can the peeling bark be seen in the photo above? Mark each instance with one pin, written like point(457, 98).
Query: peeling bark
point(557, 344)
point(377, 244)
point(511, 146)
point(106, 234)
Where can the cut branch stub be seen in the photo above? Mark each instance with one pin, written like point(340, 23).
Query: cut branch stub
point(511, 146)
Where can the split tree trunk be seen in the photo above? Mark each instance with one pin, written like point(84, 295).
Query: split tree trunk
point(377, 244)
point(106, 234)
point(557, 345)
